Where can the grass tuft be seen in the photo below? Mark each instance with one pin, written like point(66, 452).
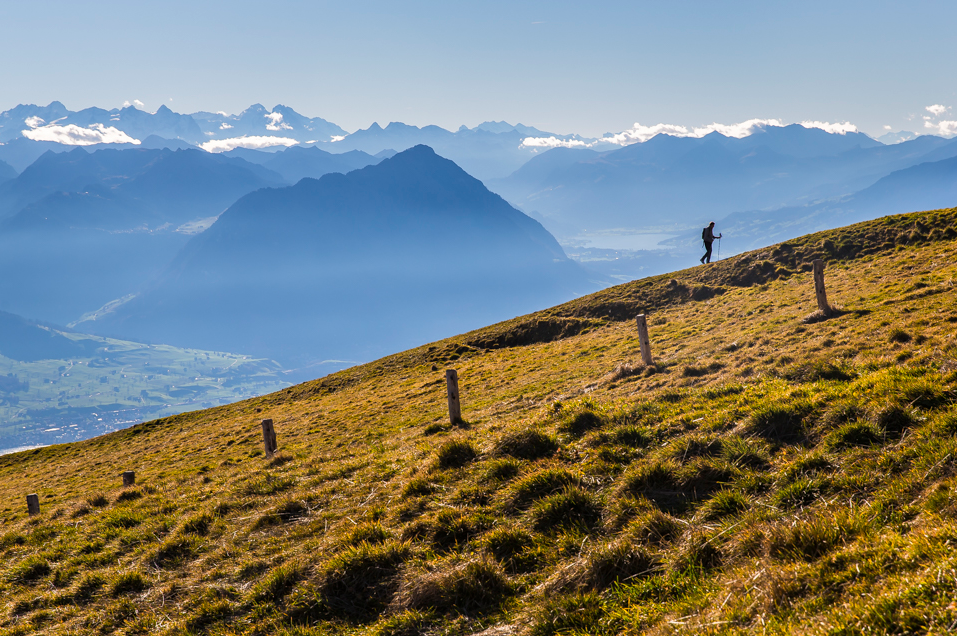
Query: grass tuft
point(781, 420)
point(356, 584)
point(128, 583)
point(29, 571)
point(501, 470)
point(455, 453)
point(572, 508)
point(540, 484)
point(526, 443)
point(175, 552)
point(577, 614)
point(473, 587)
point(278, 583)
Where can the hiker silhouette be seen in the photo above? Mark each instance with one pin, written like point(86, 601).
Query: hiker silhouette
point(707, 235)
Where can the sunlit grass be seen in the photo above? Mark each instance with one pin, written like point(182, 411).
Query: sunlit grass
point(803, 482)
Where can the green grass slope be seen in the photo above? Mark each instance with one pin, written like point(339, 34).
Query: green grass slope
point(774, 472)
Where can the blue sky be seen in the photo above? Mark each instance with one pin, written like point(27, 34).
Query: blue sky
point(566, 67)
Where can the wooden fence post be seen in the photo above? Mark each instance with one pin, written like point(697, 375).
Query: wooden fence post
point(822, 304)
point(129, 478)
point(33, 505)
point(452, 385)
point(643, 340)
point(269, 438)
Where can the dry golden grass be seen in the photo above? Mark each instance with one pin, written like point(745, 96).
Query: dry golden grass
point(768, 474)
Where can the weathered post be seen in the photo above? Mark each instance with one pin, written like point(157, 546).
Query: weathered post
point(822, 304)
point(643, 340)
point(269, 438)
point(129, 478)
point(33, 505)
point(452, 385)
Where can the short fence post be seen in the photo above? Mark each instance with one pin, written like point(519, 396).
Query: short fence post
point(643, 340)
point(129, 478)
point(452, 385)
point(269, 438)
point(33, 505)
point(822, 304)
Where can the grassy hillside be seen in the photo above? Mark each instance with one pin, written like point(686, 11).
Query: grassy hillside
point(774, 472)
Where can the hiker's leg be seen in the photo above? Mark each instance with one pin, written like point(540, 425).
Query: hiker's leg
point(707, 254)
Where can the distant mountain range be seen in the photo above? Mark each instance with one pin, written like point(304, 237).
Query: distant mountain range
point(353, 266)
point(491, 149)
point(677, 182)
point(256, 120)
point(297, 163)
point(79, 230)
point(667, 184)
point(926, 186)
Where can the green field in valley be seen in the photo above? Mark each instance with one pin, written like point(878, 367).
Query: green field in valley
point(119, 384)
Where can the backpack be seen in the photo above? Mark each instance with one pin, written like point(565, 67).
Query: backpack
point(704, 233)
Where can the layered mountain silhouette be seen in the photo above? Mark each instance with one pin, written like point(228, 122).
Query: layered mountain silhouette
point(926, 186)
point(183, 184)
point(353, 266)
point(682, 181)
point(7, 172)
point(79, 229)
point(490, 150)
point(299, 162)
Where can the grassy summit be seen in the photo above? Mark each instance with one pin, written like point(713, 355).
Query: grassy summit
point(773, 473)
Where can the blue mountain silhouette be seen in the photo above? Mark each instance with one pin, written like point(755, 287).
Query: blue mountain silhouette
point(356, 265)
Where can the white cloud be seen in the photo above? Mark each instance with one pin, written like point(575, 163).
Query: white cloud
point(644, 133)
point(276, 122)
point(739, 131)
point(73, 135)
point(138, 103)
point(942, 128)
point(553, 142)
point(887, 128)
point(639, 133)
point(839, 128)
point(337, 138)
point(224, 145)
point(224, 126)
point(33, 122)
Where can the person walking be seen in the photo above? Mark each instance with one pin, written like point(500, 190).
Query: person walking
point(707, 235)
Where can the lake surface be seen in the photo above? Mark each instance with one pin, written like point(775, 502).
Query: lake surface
point(614, 241)
point(17, 449)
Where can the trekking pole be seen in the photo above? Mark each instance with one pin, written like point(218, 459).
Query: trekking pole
point(719, 250)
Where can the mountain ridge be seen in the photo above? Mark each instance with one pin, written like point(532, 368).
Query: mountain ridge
point(403, 226)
